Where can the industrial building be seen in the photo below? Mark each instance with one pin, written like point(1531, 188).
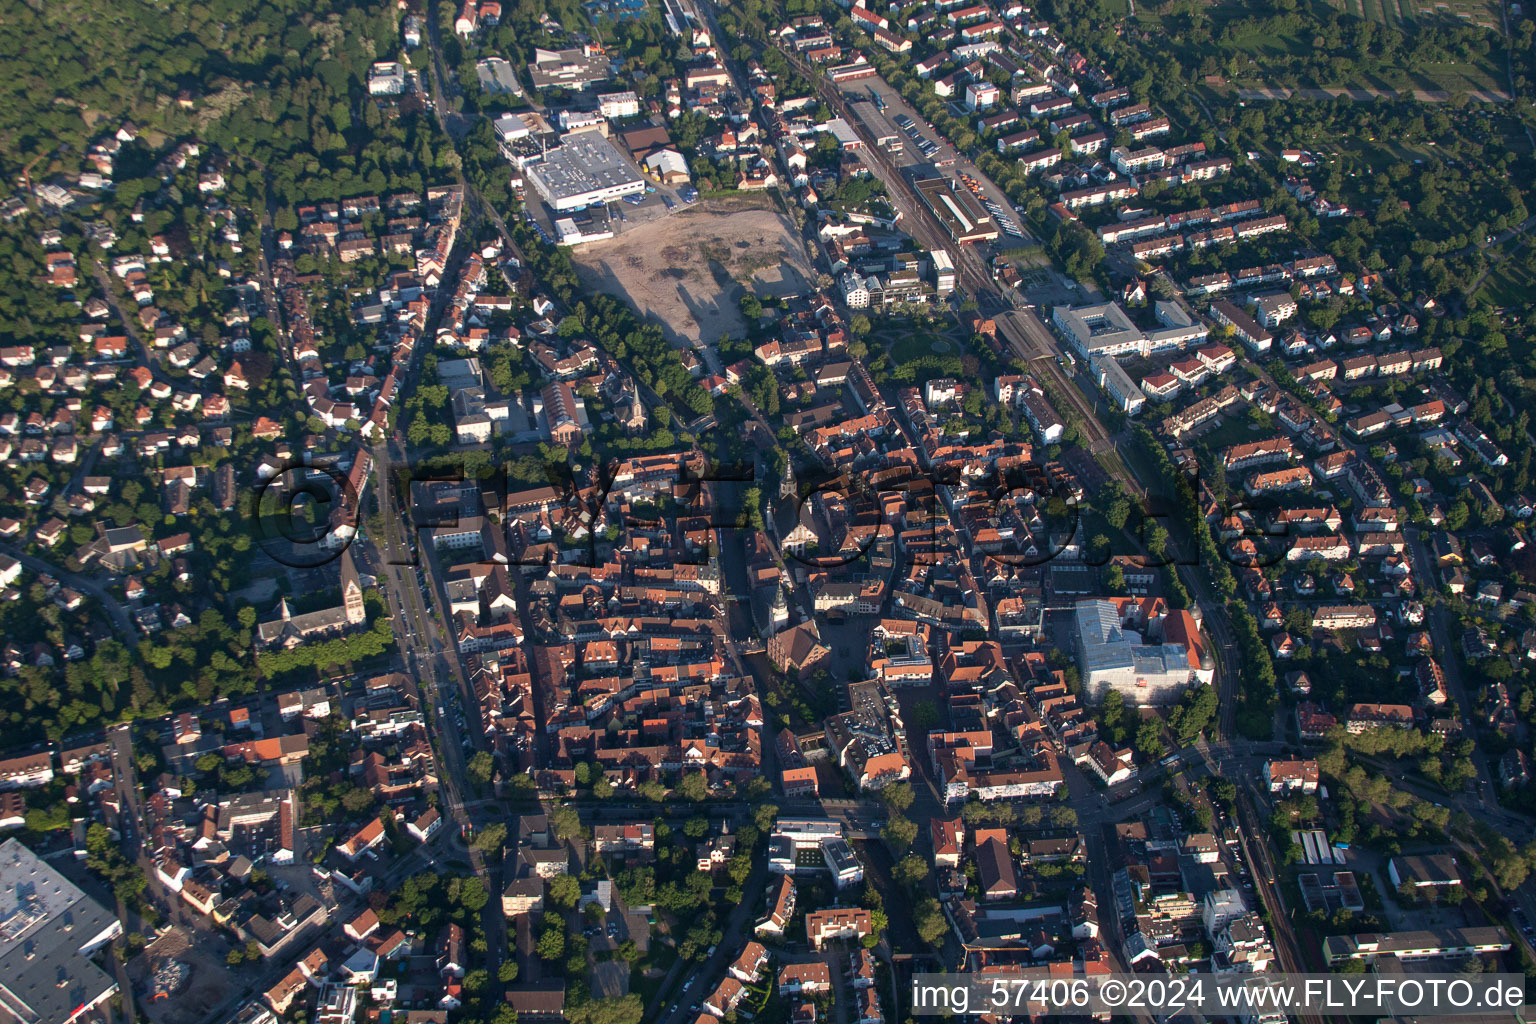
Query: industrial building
point(1427, 944)
point(1424, 871)
point(585, 169)
point(48, 931)
point(575, 68)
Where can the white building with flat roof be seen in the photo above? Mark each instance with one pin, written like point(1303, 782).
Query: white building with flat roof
point(585, 169)
point(1107, 330)
point(568, 232)
point(1221, 907)
point(1112, 656)
point(386, 78)
point(855, 290)
point(981, 95)
point(511, 128)
point(1179, 329)
point(618, 105)
point(1099, 330)
point(801, 845)
point(943, 272)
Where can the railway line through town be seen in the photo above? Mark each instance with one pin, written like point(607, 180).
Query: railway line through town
point(1031, 341)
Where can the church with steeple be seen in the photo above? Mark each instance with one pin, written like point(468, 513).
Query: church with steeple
point(287, 629)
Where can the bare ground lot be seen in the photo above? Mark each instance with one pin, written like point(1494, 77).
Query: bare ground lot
point(689, 270)
point(206, 988)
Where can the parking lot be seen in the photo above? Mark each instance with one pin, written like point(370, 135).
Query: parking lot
point(881, 105)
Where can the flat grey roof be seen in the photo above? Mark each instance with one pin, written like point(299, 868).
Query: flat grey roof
point(496, 76)
point(47, 925)
point(961, 214)
point(585, 162)
point(570, 68)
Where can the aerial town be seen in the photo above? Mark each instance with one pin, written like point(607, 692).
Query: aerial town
point(702, 511)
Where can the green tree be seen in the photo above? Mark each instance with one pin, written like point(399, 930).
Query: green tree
point(693, 786)
point(910, 870)
point(566, 823)
point(1149, 740)
point(899, 833)
point(564, 891)
point(928, 918)
point(491, 839)
point(898, 796)
point(551, 944)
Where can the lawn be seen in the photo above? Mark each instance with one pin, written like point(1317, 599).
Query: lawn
point(909, 345)
point(1233, 430)
point(1257, 43)
point(1510, 281)
point(660, 958)
point(1463, 77)
point(1370, 156)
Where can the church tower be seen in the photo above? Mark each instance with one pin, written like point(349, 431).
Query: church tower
point(352, 591)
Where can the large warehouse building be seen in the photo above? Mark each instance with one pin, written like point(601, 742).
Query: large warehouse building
point(48, 929)
point(1113, 655)
point(585, 169)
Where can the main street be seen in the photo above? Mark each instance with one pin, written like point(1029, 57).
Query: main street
point(431, 658)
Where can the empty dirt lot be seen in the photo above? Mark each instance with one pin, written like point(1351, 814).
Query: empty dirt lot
point(689, 269)
point(206, 988)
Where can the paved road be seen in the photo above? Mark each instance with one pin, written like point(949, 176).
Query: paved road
point(84, 584)
point(145, 355)
point(738, 928)
point(130, 799)
point(1439, 623)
